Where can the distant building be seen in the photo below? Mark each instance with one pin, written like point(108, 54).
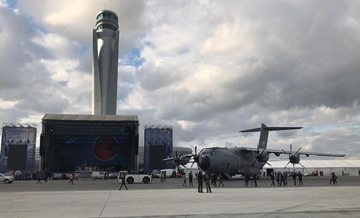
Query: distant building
point(18, 147)
point(348, 167)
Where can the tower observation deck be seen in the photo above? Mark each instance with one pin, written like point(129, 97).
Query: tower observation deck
point(105, 63)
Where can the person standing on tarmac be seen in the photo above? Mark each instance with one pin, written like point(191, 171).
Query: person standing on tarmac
point(38, 176)
point(200, 182)
point(161, 177)
point(247, 178)
point(190, 179)
point(207, 182)
point(251, 179)
point(220, 180)
point(46, 177)
point(294, 177)
point(123, 182)
point(285, 178)
point(272, 176)
point(184, 177)
point(278, 178)
point(255, 179)
point(334, 178)
point(300, 178)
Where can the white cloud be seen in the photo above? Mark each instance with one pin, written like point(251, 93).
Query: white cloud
point(76, 19)
point(58, 46)
point(3, 3)
point(229, 37)
point(60, 69)
point(7, 104)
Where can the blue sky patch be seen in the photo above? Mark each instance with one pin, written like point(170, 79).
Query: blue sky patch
point(12, 3)
point(132, 58)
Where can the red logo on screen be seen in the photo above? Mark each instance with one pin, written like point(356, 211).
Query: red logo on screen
point(105, 148)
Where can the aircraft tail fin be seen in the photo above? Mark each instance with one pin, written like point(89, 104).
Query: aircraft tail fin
point(264, 133)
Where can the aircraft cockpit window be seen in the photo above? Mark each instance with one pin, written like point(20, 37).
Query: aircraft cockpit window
point(212, 153)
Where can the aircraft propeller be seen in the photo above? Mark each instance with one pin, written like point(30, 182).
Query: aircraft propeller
point(260, 157)
point(293, 158)
point(177, 160)
point(195, 157)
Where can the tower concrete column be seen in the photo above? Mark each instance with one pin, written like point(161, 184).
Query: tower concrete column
point(105, 63)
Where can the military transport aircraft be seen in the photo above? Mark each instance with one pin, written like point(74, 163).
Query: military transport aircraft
point(242, 160)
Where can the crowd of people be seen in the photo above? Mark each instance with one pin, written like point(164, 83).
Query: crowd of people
point(281, 178)
point(216, 180)
point(277, 179)
point(252, 178)
point(210, 180)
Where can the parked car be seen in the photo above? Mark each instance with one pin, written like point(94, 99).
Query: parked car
point(308, 174)
point(6, 179)
point(98, 175)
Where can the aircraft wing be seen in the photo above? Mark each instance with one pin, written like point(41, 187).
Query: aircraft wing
point(278, 152)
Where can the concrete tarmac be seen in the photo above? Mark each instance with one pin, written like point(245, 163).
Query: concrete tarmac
point(171, 183)
point(102, 199)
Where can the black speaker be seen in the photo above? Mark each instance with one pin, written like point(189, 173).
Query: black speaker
point(136, 144)
point(42, 145)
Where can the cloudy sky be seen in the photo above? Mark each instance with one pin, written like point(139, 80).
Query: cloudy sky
point(209, 68)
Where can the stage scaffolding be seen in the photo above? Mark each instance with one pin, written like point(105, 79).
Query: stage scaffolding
point(18, 134)
point(158, 138)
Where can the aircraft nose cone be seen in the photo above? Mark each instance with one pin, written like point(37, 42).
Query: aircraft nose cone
point(204, 162)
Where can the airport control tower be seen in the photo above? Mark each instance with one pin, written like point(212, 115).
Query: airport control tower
point(105, 63)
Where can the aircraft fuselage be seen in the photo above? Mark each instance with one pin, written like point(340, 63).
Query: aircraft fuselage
point(232, 161)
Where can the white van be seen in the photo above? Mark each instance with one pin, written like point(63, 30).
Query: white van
point(169, 172)
point(98, 175)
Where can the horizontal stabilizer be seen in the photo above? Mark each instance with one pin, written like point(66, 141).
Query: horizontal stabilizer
point(264, 127)
point(264, 133)
point(251, 130)
point(282, 128)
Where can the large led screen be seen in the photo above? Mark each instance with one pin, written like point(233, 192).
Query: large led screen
point(17, 157)
point(157, 153)
point(102, 151)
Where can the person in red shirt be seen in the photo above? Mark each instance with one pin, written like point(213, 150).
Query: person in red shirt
point(71, 177)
